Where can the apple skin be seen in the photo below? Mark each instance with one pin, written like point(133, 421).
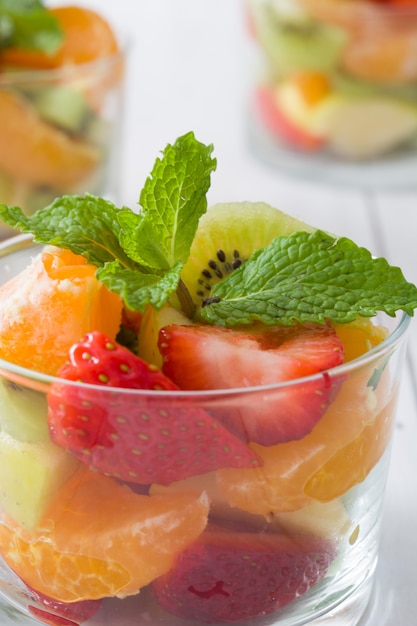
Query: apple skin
point(279, 124)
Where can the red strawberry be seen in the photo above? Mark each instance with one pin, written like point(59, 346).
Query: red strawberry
point(148, 437)
point(207, 357)
point(63, 614)
point(226, 576)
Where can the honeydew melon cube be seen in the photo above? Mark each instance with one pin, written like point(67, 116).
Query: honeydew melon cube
point(23, 412)
point(31, 475)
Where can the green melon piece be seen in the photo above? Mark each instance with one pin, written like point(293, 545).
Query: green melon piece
point(23, 412)
point(152, 322)
point(297, 43)
point(31, 475)
point(63, 106)
point(227, 235)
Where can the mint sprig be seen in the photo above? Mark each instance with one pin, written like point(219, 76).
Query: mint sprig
point(139, 255)
point(307, 276)
point(28, 24)
point(174, 199)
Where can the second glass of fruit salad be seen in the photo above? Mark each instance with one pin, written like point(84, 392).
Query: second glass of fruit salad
point(199, 436)
point(61, 99)
point(334, 92)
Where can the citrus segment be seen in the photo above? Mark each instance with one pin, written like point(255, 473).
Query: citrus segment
point(101, 539)
point(38, 153)
point(352, 464)
point(51, 305)
point(359, 337)
point(353, 432)
point(280, 485)
point(86, 36)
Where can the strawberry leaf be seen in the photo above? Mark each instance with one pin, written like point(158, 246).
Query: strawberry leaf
point(309, 277)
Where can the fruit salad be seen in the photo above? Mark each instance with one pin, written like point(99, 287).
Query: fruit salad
point(196, 407)
point(337, 77)
point(61, 71)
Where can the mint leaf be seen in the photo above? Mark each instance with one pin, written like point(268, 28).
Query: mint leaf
point(139, 256)
point(309, 277)
point(28, 24)
point(86, 225)
point(138, 289)
point(173, 200)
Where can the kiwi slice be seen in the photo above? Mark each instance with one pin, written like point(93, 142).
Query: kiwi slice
point(226, 237)
point(298, 43)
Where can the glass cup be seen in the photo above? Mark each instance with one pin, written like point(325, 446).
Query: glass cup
point(289, 538)
point(333, 93)
point(61, 132)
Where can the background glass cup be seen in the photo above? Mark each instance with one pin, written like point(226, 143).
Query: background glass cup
point(61, 132)
point(317, 499)
point(334, 89)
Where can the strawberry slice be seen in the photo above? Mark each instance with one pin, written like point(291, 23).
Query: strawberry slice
point(207, 357)
point(149, 437)
point(61, 613)
point(226, 576)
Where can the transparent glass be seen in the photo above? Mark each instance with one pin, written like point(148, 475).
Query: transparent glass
point(298, 532)
point(61, 132)
point(333, 93)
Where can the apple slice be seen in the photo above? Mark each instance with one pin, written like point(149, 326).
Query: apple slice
point(363, 128)
point(289, 128)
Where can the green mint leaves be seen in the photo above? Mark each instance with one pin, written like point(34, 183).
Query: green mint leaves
point(174, 199)
point(307, 276)
point(27, 24)
point(138, 255)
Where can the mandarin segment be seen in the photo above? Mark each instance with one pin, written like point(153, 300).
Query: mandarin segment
point(348, 430)
point(352, 464)
point(86, 36)
point(51, 305)
point(359, 337)
point(101, 539)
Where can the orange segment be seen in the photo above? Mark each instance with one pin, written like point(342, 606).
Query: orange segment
point(341, 434)
point(313, 86)
point(38, 153)
point(384, 56)
point(352, 464)
point(100, 539)
point(346, 443)
point(359, 337)
point(51, 305)
point(87, 36)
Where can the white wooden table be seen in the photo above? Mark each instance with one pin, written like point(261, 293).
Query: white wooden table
point(187, 71)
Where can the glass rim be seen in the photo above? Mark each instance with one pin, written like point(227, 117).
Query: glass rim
point(368, 9)
point(42, 382)
point(14, 77)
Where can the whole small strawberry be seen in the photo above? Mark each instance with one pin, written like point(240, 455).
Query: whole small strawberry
point(229, 576)
point(148, 436)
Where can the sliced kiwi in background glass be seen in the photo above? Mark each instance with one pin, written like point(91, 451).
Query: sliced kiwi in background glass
point(295, 42)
